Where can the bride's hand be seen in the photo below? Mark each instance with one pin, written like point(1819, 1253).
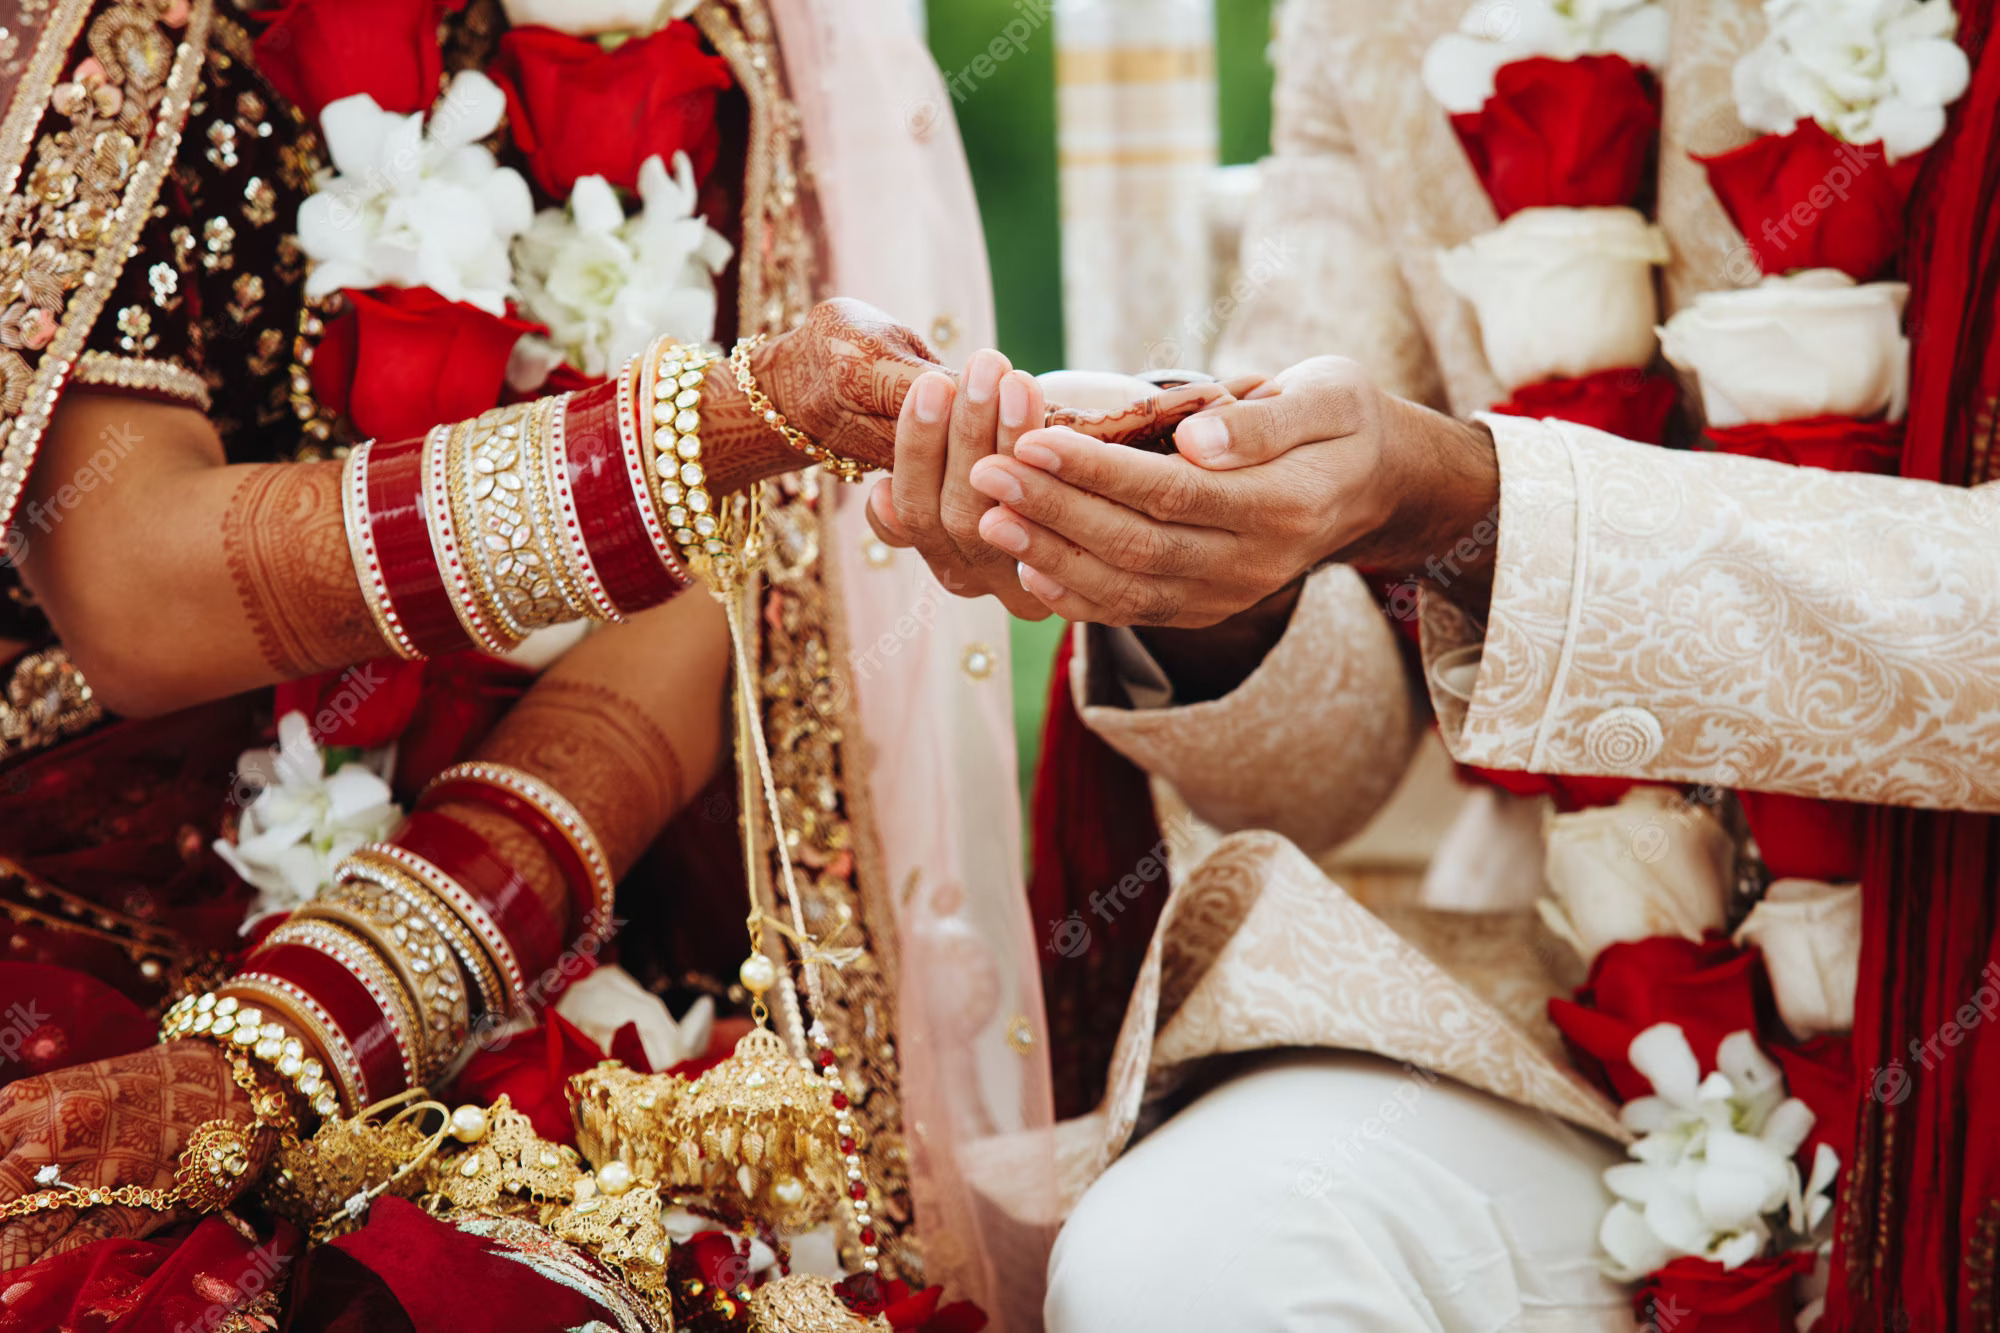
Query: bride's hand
point(121, 1121)
point(842, 376)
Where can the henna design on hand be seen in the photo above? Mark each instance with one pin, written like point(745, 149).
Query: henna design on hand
point(1148, 424)
point(286, 545)
point(121, 1121)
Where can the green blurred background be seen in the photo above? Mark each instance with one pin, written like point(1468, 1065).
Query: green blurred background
point(1009, 125)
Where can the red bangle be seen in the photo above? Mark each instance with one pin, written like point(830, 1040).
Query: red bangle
point(470, 861)
point(602, 447)
point(553, 822)
point(370, 1032)
point(409, 565)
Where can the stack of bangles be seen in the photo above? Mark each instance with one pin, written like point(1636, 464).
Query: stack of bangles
point(422, 942)
point(590, 504)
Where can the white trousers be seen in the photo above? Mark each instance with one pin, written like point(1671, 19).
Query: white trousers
point(1339, 1193)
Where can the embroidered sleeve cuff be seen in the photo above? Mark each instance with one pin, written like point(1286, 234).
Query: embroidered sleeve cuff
point(167, 381)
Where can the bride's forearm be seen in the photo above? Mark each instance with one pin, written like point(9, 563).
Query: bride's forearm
point(175, 579)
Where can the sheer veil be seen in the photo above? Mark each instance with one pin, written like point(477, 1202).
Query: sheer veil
point(900, 229)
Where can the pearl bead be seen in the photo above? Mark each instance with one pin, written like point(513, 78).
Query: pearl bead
point(789, 1191)
point(758, 974)
point(468, 1124)
point(614, 1177)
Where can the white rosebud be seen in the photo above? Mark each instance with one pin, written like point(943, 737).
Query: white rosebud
point(1650, 865)
point(1810, 936)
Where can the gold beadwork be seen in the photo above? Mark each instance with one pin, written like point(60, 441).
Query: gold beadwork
point(845, 469)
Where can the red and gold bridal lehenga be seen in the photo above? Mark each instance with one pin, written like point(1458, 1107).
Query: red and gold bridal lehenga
point(156, 256)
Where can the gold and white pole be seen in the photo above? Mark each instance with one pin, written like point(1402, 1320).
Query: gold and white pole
point(1136, 135)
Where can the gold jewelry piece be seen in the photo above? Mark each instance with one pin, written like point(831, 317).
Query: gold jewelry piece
point(806, 1303)
point(325, 1183)
point(843, 469)
point(444, 509)
point(307, 1015)
point(420, 956)
point(235, 1025)
point(487, 996)
point(463, 906)
point(670, 427)
point(505, 521)
point(760, 1126)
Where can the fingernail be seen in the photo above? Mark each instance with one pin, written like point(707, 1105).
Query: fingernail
point(1006, 535)
point(1013, 402)
point(1021, 572)
point(1208, 437)
point(933, 394)
point(1038, 455)
point(992, 481)
point(982, 377)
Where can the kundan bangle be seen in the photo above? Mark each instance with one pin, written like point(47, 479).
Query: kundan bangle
point(670, 428)
point(474, 916)
point(533, 926)
point(547, 814)
point(445, 506)
point(226, 1019)
point(506, 532)
point(845, 469)
point(486, 995)
point(421, 956)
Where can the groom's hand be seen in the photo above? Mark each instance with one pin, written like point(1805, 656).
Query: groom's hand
point(945, 429)
point(1321, 465)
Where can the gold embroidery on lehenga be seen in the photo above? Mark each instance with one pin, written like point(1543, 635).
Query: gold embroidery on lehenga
point(167, 378)
point(808, 710)
point(107, 139)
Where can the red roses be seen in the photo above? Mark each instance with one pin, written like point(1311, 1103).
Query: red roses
point(1709, 989)
point(1699, 1296)
point(578, 110)
point(319, 51)
point(1631, 404)
point(1807, 200)
point(402, 359)
point(1563, 133)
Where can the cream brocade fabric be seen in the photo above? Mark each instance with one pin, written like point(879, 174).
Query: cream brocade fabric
point(1257, 948)
point(1704, 618)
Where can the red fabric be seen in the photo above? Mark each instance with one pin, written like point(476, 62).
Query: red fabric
point(1564, 133)
point(193, 1281)
point(400, 360)
point(465, 696)
point(1710, 989)
point(533, 1070)
point(364, 706)
point(1631, 404)
point(907, 1309)
point(1820, 1073)
point(55, 1017)
point(1837, 444)
point(579, 110)
point(447, 1281)
point(1094, 829)
point(1569, 793)
point(1804, 199)
point(318, 51)
point(1923, 1159)
point(1700, 1296)
point(1800, 838)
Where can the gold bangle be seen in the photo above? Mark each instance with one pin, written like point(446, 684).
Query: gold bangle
point(472, 960)
point(465, 907)
point(670, 424)
point(228, 1021)
point(506, 534)
point(843, 469)
point(421, 958)
point(444, 512)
